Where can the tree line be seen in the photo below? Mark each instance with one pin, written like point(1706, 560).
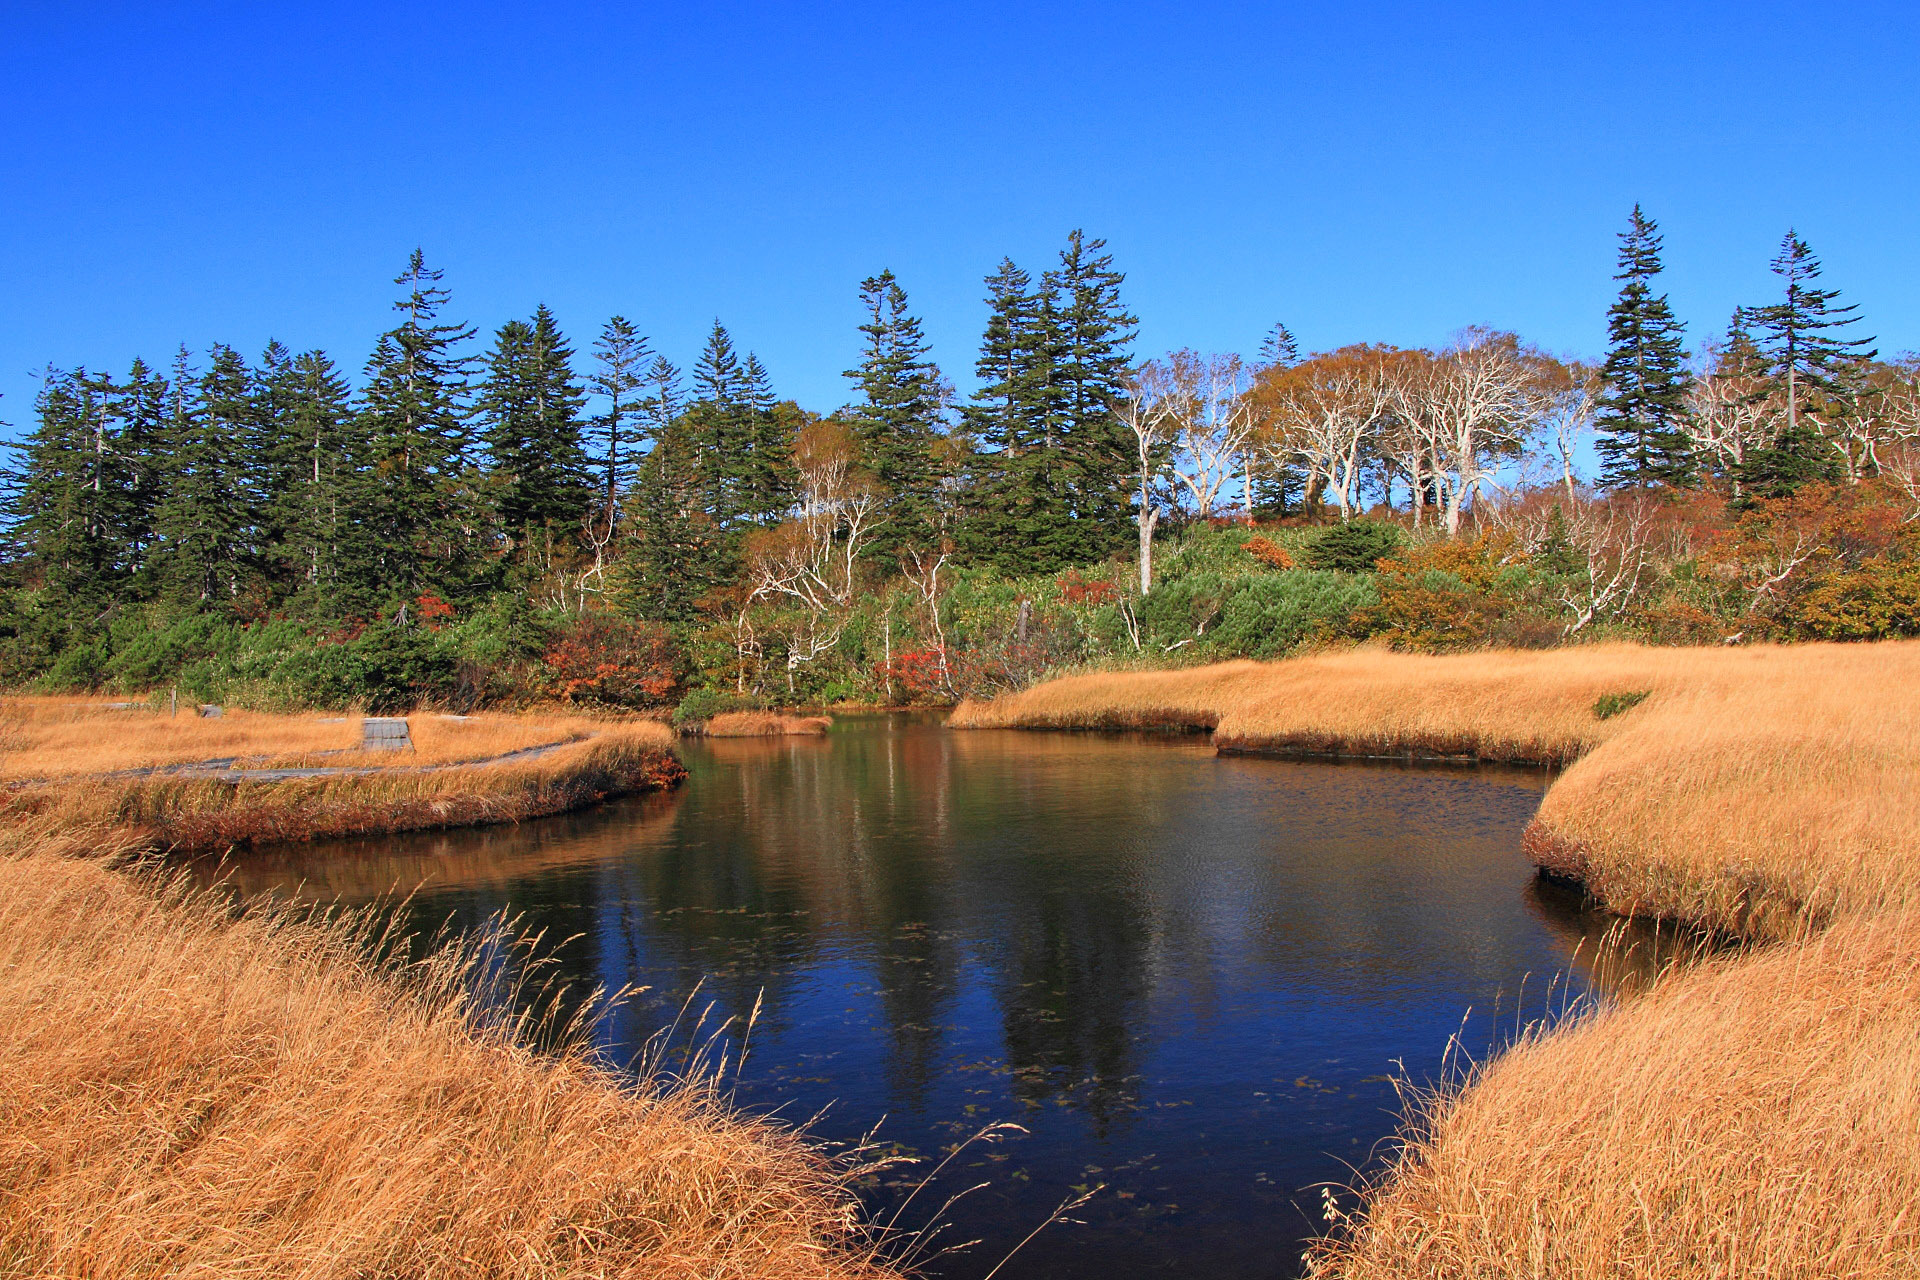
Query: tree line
point(531, 482)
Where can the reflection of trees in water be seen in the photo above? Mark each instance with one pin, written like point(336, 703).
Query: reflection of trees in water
point(1083, 879)
point(1072, 981)
point(1075, 917)
point(793, 848)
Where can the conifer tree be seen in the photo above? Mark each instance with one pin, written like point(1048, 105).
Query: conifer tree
point(412, 512)
point(1006, 417)
point(673, 552)
point(719, 428)
point(1095, 331)
point(134, 491)
point(1279, 349)
point(205, 518)
point(1642, 409)
point(319, 447)
point(620, 359)
point(897, 419)
point(54, 519)
point(529, 405)
point(1053, 366)
point(1811, 372)
point(768, 480)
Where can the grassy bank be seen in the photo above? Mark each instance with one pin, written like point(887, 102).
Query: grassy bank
point(78, 766)
point(765, 724)
point(186, 1092)
point(1751, 1116)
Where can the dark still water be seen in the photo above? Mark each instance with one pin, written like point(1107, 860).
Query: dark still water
point(1189, 978)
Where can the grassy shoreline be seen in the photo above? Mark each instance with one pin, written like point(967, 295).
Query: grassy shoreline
point(1751, 1115)
point(190, 1088)
point(134, 775)
point(186, 1090)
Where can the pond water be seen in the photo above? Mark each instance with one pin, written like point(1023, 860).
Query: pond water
point(1190, 979)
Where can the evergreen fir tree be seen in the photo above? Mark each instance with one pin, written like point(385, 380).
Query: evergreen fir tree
point(529, 405)
point(1006, 418)
point(898, 416)
point(620, 358)
point(134, 490)
point(310, 509)
point(205, 517)
point(769, 480)
point(412, 514)
point(720, 429)
point(1052, 489)
point(54, 519)
point(1090, 490)
point(1642, 410)
point(1279, 349)
point(673, 554)
point(1811, 371)
point(275, 454)
point(664, 401)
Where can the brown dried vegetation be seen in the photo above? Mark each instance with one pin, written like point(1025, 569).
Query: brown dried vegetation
point(70, 762)
point(764, 724)
point(187, 1092)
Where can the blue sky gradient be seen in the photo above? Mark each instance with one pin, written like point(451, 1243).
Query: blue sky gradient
point(1384, 172)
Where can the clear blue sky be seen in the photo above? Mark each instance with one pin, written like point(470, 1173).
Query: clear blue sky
point(1386, 171)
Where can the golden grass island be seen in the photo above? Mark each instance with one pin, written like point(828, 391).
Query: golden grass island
point(183, 783)
point(1753, 1114)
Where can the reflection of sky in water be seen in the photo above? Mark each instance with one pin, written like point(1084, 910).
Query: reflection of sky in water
point(1190, 977)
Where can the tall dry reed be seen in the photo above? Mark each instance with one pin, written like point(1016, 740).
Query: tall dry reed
point(1756, 1116)
point(187, 1092)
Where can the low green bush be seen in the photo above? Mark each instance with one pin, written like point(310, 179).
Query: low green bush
point(1354, 546)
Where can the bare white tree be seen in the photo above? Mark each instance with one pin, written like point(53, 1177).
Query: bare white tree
point(1728, 414)
point(1148, 412)
point(1471, 406)
point(1326, 414)
point(810, 559)
point(1615, 538)
point(1206, 399)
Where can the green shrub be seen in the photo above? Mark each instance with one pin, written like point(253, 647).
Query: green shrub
point(1609, 705)
point(705, 704)
point(1877, 601)
point(1354, 546)
point(1272, 614)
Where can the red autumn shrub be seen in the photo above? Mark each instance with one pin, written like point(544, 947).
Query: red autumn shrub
point(1075, 589)
point(604, 659)
point(920, 673)
point(1268, 552)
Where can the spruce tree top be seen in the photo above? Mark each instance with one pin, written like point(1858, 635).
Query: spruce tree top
point(1641, 415)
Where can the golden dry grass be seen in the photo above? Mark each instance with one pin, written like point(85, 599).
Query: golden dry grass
point(43, 737)
point(188, 813)
point(1753, 1116)
point(184, 1092)
point(765, 724)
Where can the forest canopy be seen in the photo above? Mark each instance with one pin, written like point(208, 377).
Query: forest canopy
point(471, 520)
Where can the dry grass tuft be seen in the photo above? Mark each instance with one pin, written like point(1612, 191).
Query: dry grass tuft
point(184, 1092)
point(765, 724)
point(1749, 1117)
point(1758, 1115)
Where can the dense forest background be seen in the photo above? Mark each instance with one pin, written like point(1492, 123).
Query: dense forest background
point(471, 522)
